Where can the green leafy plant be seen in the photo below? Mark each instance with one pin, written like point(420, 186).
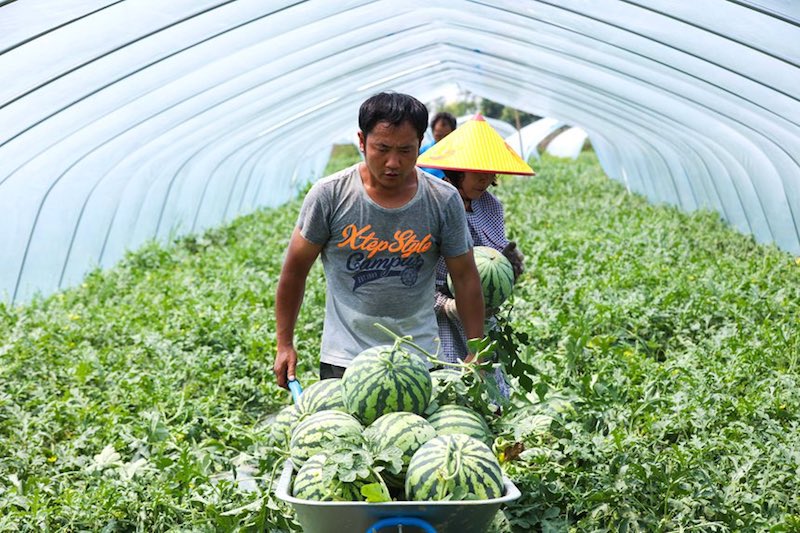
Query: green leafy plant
point(350, 461)
point(663, 351)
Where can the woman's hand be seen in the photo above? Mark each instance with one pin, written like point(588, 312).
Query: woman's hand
point(450, 310)
point(516, 258)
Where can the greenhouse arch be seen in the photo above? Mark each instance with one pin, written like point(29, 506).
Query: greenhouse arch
point(158, 119)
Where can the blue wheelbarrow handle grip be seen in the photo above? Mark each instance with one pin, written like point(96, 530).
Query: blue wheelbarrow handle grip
point(401, 521)
point(296, 389)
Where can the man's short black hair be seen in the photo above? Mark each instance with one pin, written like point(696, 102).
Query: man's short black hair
point(394, 108)
point(447, 117)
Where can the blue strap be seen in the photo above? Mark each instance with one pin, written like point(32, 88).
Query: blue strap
point(401, 521)
point(296, 389)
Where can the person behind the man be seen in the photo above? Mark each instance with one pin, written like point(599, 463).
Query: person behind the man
point(442, 125)
point(380, 226)
point(471, 158)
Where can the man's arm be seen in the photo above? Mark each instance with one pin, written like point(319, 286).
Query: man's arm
point(300, 256)
point(469, 297)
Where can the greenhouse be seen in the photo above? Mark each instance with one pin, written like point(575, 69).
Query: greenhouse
point(156, 157)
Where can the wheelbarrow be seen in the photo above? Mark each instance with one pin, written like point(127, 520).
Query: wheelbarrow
point(470, 516)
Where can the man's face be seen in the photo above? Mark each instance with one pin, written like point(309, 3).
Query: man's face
point(390, 153)
point(441, 130)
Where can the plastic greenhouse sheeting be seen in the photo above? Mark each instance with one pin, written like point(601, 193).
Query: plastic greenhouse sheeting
point(526, 140)
point(568, 144)
point(161, 118)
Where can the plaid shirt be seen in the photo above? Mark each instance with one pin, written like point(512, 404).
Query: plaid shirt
point(486, 225)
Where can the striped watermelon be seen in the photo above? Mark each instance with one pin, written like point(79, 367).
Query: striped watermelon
point(496, 273)
point(455, 466)
point(311, 484)
point(281, 428)
point(319, 431)
point(445, 378)
point(453, 419)
point(323, 395)
point(385, 379)
point(407, 431)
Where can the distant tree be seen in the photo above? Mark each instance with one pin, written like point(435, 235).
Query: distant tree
point(464, 106)
point(460, 108)
point(490, 108)
point(468, 104)
point(509, 116)
point(497, 110)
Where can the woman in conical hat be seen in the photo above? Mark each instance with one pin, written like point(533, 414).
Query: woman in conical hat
point(471, 157)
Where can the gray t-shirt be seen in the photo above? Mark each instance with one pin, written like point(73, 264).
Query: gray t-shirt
point(380, 262)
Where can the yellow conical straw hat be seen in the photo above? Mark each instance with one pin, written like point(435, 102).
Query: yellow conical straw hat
point(475, 147)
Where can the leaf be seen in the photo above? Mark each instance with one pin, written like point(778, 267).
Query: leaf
point(14, 479)
point(375, 493)
point(461, 493)
point(432, 408)
point(527, 426)
point(511, 453)
point(129, 470)
point(541, 390)
point(458, 493)
point(106, 458)
point(253, 506)
point(480, 347)
point(390, 458)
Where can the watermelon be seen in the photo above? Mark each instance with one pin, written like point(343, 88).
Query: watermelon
point(496, 273)
point(453, 419)
point(407, 431)
point(447, 382)
point(311, 484)
point(319, 432)
point(325, 395)
point(281, 428)
point(454, 466)
point(385, 379)
point(443, 376)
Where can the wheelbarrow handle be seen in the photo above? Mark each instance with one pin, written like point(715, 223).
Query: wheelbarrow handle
point(401, 521)
point(296, 389)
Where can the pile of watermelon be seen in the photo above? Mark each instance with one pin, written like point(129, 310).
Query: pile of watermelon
point(388, 399)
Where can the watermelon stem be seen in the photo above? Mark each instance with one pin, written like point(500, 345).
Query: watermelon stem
point(270, 486)
point(452, 474)
point(473, 368)
point(384, 487)
point(281, 453)
point(448, 474)
point(398, 340)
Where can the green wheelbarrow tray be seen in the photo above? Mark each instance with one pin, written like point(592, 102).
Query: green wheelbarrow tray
point(470, 516)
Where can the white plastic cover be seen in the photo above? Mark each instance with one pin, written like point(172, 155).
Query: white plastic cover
point(123, 121)
point(526, 140)
point(568, 143)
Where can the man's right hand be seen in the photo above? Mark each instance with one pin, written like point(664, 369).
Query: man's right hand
point(300, 255)
point(285, 364)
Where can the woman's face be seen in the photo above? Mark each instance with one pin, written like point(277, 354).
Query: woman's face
point(475, 184)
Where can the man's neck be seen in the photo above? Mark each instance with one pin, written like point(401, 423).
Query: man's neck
point(390, 198)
